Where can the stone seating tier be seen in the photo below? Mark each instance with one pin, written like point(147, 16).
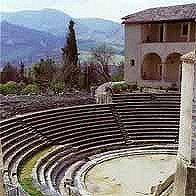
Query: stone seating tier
point(85, 131)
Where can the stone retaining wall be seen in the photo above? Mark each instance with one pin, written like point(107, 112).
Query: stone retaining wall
point(14, 105)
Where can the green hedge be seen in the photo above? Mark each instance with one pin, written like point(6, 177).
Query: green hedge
point(9, 88)
point(13, 88)
point(30, 89)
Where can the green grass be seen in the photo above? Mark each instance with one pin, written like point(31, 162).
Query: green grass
point(25, 172)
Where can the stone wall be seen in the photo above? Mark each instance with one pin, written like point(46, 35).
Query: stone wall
point(1, 172)
point(191, 182)
point(14, 105)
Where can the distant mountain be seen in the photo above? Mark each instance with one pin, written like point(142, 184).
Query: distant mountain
point(29, 45)
point(31, 35)
point(56, 22)
point(20, 43)
point(49, 20)
point(99, 30)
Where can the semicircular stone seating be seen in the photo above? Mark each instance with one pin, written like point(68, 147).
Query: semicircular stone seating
point(79, 132)
point(149, 118)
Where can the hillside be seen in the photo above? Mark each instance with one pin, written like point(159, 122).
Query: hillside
point(21, 43)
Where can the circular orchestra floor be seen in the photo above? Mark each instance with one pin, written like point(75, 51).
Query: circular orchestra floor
point(129, 175)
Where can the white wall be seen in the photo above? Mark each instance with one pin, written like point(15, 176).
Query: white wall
point(164, 49)
point(135, 49)
point(132, 47)
point(184, 150)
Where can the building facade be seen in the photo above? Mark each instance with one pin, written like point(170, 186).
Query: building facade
point(155, 39)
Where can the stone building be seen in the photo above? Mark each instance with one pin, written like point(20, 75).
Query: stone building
point(155, 39)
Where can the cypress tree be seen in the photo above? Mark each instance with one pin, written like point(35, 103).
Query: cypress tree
point(70, 58)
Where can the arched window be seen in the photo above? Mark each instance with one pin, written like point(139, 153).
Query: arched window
point(151, 67)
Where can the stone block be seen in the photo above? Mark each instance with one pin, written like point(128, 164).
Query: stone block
point(191, 181)
point(2, 191)
point(180, 178)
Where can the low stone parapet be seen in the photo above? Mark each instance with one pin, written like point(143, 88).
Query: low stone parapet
point(79, 180)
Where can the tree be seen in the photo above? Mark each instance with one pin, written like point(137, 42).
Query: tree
point(119, 75)
point(43, 73)
point(70, 58)
point(9, 73)
point(21, 74)
point(102, 56)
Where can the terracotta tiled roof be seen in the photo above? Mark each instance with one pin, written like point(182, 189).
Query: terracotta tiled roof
point(171, 13)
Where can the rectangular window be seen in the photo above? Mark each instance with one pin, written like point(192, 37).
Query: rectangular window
point(132, 62)
point(184, 30)
point(161, 32)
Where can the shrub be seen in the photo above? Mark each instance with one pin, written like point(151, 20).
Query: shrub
point(20, 86)
point(9, 88)
point(30, 89)
point(117, 78)
point(133, 87)
point(141, 89)
point(124, 86)
point(173, 87)
point(58, 87)
point(2, 89)
point(120, 87)
point(116, 86)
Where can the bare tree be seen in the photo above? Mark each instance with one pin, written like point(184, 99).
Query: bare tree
point(102, 56)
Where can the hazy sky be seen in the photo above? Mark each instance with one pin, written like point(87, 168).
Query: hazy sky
point(108, 9)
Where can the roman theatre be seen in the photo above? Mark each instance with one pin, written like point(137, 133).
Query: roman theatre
point(130, 146)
